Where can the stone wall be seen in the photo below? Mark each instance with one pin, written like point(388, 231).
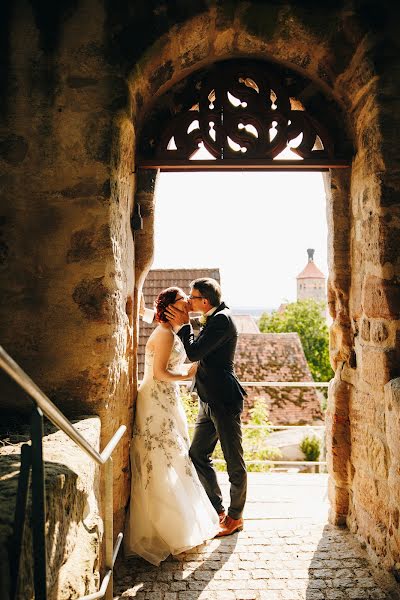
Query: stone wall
point(74, 529)
point(66, 197)
point(82, 77)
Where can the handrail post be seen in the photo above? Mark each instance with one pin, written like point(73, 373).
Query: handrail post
point(20, 516)
point(108, 524)
point(38, 506)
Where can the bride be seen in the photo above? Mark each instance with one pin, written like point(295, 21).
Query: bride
point(169, 509)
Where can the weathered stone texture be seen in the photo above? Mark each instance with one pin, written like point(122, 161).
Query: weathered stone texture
point(81, 81)
point(74, 526)
point(392, 417)
point(338, 449)
point(378, 365)
point(67, 147)
point(381, 298)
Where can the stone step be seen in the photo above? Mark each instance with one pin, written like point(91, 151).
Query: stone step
point(73, 523)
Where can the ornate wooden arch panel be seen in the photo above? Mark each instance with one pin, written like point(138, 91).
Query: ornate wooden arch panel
point(243, 116)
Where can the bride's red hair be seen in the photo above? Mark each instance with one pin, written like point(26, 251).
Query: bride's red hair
point(163, 300)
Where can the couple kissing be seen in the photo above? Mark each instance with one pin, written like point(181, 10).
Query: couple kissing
point(176, 502)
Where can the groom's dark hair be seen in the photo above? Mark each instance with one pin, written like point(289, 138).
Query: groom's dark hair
point(209, 289)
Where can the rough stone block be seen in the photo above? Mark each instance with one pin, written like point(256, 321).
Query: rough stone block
point(93, 299)
point(379, 332)
point(381, 298)
point(378, 365)
point(369, 451)
point(89, 244)
point(339, 499)
point(365, 330)
point(73, 524)
point(392, 418)
point(390, 194)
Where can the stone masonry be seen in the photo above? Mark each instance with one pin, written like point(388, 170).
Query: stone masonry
point(81, 80)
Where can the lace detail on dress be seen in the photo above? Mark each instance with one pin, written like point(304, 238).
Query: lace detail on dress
point(163, 439)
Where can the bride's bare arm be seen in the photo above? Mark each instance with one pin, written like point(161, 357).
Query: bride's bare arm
point(162, 343)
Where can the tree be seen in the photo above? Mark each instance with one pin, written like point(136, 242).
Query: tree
point(306, 317)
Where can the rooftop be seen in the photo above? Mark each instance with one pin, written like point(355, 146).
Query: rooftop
point(277, 357)
point(311, 271)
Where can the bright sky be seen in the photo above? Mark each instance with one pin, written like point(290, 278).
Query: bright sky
point(256, 227)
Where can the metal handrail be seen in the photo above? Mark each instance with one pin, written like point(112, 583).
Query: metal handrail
point(107, 576)
point(294, 384)
point(277, 427)
point(45, 406)
point(271, 461)
point(53, 413)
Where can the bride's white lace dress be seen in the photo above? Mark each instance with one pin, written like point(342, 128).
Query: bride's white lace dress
point(169, 508)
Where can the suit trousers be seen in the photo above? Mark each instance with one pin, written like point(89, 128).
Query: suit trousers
point(213, 424)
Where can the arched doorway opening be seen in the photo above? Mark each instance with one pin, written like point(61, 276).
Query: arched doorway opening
point(362, 274)
point(242, 114)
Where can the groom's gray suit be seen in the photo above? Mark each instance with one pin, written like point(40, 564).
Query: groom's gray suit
point(221, 404)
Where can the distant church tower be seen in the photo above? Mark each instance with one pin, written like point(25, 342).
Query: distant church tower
point(311, 282)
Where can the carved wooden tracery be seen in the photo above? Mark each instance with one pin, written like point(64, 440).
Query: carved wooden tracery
point(245, 118)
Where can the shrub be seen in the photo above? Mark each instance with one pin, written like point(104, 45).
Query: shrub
point(190, 406)
point(311, 447)
point(254, 440)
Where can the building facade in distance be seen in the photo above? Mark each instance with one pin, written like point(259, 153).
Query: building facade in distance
point(311, 281)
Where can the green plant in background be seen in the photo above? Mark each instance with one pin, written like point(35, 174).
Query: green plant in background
point(254, 440)
point(311, 447)
point(307, 318)
point(190, 406)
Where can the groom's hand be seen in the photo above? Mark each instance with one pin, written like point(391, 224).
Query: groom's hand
point(177, 317)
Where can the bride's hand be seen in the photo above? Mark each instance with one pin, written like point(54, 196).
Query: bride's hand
point(192, 370)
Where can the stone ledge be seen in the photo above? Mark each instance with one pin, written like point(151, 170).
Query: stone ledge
point(73, 524)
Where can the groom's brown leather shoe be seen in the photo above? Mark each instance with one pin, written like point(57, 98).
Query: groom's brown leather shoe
point(230, 526)
point(222, 516)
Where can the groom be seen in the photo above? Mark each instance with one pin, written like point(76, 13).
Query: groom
point(221, 396)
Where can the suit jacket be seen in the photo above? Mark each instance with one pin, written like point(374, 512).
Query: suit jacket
point(214, 349)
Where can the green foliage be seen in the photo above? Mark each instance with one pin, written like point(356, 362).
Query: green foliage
point(259, 413)
point(311, 447)
point(190, 406)
point(254, 440)
point(307, 319)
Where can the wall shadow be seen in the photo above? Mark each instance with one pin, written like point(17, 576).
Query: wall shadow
point(341, 569)
point(189, 572)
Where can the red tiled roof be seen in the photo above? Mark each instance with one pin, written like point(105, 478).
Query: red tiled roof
point(157, 280)
point(311, 271)
point(277, 357)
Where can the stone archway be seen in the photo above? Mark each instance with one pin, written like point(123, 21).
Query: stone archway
point(357, 279)
point(337, 191)
point(80, 81)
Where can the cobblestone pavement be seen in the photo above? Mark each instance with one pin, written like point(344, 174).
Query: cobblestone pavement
point(287, 551)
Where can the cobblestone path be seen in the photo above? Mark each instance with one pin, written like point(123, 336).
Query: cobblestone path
point(286, 552)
